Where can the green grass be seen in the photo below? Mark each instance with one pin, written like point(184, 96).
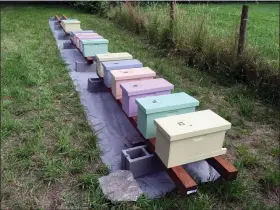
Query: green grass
point(206, 37)
point(49, 154)
point(223, 21)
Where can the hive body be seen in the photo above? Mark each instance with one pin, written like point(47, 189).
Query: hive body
point(190, 137)
point(110, 57)
point(118, 65)
point(140, 89)
point(128, 75)
point(154, 107)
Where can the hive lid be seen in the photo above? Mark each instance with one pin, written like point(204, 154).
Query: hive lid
point(146, 86)
point(191, 124)
point(71, 21)
point(113, 56)
point(95, 41)
point(90, 38)
point(72, 33)
point(124, 74)
point(121, 64)
point(79, 35)
point(164, 103)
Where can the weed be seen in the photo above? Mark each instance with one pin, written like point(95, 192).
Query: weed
point(247, 158)
point(270, 180)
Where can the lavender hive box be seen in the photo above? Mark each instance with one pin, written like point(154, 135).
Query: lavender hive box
point(72, 33)
point(140, 89)
point(117, 65)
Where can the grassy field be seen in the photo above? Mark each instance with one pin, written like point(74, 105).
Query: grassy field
point(49, 155)
point(206, 37)
point(222, 20)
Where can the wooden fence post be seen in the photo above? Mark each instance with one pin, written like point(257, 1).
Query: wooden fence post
point(172, 11)
point(242, 30)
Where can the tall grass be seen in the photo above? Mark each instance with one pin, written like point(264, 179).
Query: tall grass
point(193, 37)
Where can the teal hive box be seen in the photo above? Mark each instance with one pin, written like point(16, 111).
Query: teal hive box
point(151, 108)
point(94, 46)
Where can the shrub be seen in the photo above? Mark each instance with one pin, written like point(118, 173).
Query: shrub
point(94, 7)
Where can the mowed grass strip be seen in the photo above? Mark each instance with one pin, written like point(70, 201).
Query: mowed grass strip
point(49, 153)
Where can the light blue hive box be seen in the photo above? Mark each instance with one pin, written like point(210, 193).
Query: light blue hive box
point(117, 65)
point(94, 46)
point(151, 108)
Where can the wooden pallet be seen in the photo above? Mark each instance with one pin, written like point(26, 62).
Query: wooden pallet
point(183, 181)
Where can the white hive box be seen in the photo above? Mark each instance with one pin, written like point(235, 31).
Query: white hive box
point(190, 137)
point(71, 25)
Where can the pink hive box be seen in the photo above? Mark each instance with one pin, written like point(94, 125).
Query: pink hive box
point(140, 89)
point(81, 34)
point(128, 75)
point(77, 42)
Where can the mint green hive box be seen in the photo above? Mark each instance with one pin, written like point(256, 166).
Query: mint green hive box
point(151, 108)
point(91, 47)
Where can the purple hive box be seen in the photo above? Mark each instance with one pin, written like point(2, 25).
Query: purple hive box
point(117, 65)
point(140, 89)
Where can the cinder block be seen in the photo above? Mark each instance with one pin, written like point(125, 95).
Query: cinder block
point(139, 161)
point(57, 27)
point(96, 85)
point(82, 66)
point(62, 36)
point(68, 45)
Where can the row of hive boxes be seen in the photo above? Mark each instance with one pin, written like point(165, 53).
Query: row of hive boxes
point(89, 43)
point(183, 135)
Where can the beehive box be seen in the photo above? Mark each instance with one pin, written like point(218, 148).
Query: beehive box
point(140, 89)
point(128, 75)
point(154, 107)
point(72, 33)
point(71, 25)
point(190, 137)
point(117, 65)
point(77, 35)
point(110, 57)
point(92, 47)
point(81, 39)
point(88, 36)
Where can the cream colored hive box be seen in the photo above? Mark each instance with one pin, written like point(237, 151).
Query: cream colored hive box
point(71, 25)
point(190, 137)
point(128, 75)
point(110, 57)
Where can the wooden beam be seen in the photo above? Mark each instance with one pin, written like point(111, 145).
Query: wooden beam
point(57, 18)
point(224, 167)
